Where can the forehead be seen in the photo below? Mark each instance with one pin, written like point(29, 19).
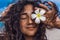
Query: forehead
point(28, 8)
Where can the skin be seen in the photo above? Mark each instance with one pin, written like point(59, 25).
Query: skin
point(50, 14)
point(27, 25)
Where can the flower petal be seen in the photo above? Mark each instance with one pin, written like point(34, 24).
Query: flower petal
point(37, 20)
point(37, 11)
point(42, 18)
point(42, 12)
point(33, 16)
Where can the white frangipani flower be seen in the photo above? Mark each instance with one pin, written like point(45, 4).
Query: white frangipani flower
point(38, 16)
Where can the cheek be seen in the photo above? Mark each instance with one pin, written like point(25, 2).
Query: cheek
point(23, 23)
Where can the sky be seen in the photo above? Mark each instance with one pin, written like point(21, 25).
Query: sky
point(5, 3)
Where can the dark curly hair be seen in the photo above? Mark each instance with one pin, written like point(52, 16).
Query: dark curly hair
point(12, 23)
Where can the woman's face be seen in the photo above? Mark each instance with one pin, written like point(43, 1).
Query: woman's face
point(27, 25)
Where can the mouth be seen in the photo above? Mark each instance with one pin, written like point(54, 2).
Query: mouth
point(31, 27)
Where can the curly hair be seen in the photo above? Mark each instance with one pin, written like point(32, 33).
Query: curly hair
point(12, 23)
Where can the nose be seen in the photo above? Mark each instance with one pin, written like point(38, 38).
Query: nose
point(30, 20)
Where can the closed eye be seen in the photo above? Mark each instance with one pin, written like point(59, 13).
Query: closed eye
point(23, 16)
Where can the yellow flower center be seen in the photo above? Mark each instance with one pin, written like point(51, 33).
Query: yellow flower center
point(38, 15)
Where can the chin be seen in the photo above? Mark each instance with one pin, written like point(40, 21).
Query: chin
point(31, 34)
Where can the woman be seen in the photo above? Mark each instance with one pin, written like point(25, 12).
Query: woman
point(19, 24)
point(16, 22)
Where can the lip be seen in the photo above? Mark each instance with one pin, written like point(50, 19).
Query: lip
point(30, 28)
